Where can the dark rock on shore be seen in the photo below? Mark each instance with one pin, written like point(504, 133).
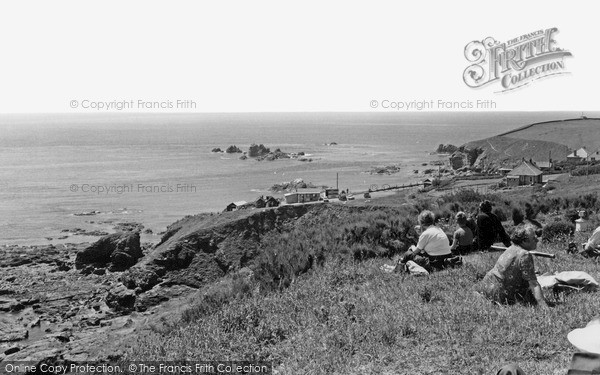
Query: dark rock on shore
point(18, 256)
point(83, 232)
point(128, 227)
point(52, 311)
point(87, 213)
point(119, 251)
point(387, 170)
point(201, 249)
point(120, 298)
point(446, 149)
point(216, 149)
point(10, 330)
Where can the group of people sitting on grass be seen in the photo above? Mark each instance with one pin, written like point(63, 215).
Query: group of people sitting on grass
point(512, 278)
point(434, 249)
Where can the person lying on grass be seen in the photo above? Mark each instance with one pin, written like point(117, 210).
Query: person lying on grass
point(433, 246)
point(513, 277)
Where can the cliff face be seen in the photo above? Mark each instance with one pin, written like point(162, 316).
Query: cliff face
point(506, 151)
point(200, 249)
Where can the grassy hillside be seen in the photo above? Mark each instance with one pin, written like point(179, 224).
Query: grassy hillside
point(351, 318)
point(506, 150)
point(573, 133)
point(316, 301)
point(539, 141)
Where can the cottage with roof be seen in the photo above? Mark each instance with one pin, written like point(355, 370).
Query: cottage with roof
point(524, 174)
point(236, 206)
point(544, 165)
point(578, 155)
point(271, 201)
point(303, 196)
point(594, 156)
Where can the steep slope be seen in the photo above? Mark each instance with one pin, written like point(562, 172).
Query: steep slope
point(573, 133)
point(506, 151)
point(539, 141)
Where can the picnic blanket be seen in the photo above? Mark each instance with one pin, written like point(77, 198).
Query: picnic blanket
point(576, 279)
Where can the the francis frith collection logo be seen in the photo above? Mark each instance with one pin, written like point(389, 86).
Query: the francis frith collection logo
point(514, 63)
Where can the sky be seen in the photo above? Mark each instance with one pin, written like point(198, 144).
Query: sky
point(280, 56)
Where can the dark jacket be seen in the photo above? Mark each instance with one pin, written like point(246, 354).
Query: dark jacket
point(489, 230)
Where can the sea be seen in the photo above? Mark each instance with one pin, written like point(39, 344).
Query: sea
point(63, 172)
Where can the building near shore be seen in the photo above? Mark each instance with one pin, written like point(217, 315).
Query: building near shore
point(595, 156)
point(578, 155)
point(302, 197)
point(544, 165)
point(234, 206)
point(267, 201)
point(525, 173)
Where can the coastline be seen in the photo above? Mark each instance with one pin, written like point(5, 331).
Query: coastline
point(42, 166)
point(97, 218)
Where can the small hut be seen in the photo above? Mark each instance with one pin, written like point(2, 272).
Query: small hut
point(234, 206)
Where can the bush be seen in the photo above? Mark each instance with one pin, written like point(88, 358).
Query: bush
point(517, 216)
point(557, 230)
point(586, 170)
point(572, 215)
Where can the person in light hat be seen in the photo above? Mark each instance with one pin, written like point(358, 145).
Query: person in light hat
point(587, 341)
point(587, 361)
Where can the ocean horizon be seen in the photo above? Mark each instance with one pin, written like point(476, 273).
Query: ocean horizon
point(61, 172)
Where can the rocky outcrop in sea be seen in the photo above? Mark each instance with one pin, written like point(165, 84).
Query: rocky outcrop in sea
point(293, 185)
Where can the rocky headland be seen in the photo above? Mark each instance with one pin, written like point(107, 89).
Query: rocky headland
point(83, 302)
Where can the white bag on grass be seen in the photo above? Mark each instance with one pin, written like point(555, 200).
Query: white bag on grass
point(414, 269)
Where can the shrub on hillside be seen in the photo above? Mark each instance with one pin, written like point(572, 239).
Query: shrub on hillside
point(517, 216)
point(557, 230)
point(571, 215)
point(586, 170)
